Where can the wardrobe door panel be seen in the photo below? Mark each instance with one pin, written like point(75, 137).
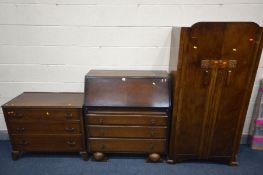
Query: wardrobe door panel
point(194, 94)
point(240, 44)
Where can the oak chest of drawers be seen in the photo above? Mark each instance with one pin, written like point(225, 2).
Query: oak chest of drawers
point(45, 122)
point(127, 112)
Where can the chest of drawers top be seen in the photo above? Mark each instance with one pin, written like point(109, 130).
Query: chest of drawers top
point(127, 88)
point(46, 100)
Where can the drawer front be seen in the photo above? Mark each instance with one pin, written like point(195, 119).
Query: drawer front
point(43, 114)
point(128, 145)
point(27, 127)
point(47, 143)
point(100, 119)
point(126, 131)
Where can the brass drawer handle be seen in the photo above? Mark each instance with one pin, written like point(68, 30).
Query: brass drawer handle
point(15, 115)
point(68, 115)
point(46, 115)
point(71, 143)
point(70, 129)
point(10, 113)
point(20, 129)
point(153, 121)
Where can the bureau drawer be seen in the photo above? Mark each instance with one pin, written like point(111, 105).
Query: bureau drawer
point(126, 119)
point(47, 143)
point(45, 127)
point(43, 114)
point(126, 131)
point(127, 145)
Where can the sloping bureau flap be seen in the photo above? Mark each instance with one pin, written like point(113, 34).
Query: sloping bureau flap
point(127, 88)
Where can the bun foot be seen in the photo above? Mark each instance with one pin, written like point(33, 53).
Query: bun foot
point(154, 157)
point(15, 155)
point(99, 156)
point(84, 155)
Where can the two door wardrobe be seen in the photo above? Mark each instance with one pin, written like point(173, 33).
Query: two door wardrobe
point(213, 67)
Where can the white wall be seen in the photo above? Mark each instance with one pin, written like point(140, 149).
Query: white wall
point(49, 45)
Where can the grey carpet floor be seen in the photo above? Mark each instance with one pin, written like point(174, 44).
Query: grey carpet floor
point(251, 163)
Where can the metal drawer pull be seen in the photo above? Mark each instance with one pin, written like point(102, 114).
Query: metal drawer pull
point(46, 115)
point(71, 143)
point(70, 129)
point(13, 114)
point(10, 112)
point(153, 121)
point(68, 115)
point(101, 121)
point(20, 129)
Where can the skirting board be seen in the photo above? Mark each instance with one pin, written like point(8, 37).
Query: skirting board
point(4, 136)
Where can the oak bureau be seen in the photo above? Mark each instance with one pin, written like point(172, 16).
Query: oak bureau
point(127, 112)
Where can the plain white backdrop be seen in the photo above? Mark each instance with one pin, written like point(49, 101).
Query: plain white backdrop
point(49, 45)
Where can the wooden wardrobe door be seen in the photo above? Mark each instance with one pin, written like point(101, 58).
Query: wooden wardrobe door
point(216, 69)
point(233, 88)
point(195, 89)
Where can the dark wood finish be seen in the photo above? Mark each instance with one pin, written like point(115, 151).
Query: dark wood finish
point(113, 133)
point(45, 122)
point(126, 131)
point(47, 143)
point(127, 112)
point(47, 114)
point(47, 99)
point(21, 127)
point(119, 89)
point(127, 118)
point(215, 65)
point(117, 145)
